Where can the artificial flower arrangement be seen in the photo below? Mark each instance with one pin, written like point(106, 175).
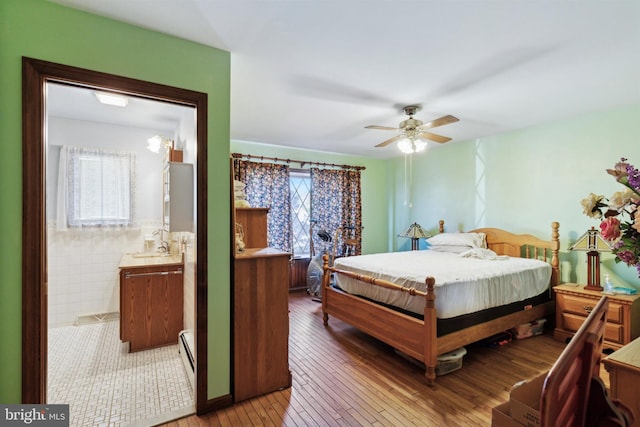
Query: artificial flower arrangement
point(620, 225)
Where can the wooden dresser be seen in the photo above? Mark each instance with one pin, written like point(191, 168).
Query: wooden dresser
point(574, 303)
point(260, 313)
point(624, 376)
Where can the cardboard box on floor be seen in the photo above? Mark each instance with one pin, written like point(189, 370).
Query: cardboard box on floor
point(523, 407)
point(501, 416)
point(525, 401)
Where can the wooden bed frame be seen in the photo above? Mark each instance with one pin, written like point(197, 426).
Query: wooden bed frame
point(418, 338)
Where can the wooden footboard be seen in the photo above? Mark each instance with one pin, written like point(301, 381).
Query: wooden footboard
point(418, 338)
point(410, 335)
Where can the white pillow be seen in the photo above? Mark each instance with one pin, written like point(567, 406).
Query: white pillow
point(471, 240)
point(449, 248)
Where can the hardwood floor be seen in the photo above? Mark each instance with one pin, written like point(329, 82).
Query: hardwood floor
point(343, 377)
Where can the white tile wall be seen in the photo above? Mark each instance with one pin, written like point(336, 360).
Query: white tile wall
point(83, 270)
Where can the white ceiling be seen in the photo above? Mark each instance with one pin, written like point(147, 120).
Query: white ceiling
point(312, 74)
point(81, 103)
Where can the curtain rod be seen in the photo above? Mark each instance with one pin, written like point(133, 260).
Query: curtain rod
point(302, 162)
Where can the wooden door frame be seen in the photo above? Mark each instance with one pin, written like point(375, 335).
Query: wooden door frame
point(35, 75)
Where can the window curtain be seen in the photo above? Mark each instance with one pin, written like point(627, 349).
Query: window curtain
point(267, 186)
point(96, 188)
point(335, 202)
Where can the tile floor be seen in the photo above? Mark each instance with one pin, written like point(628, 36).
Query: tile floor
point(90, 369)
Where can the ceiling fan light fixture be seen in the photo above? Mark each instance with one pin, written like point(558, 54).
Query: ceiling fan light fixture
point(411, 145)
point(414, 131)
point(419, 145)
point(405, 145)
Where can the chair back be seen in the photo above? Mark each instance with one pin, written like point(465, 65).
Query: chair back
point(567, 387)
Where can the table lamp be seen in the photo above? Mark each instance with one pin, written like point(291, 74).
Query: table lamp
point(415, 232)
point(592, 243)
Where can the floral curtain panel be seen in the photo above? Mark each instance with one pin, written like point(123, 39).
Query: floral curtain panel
point(267, 185)
point(335, 202)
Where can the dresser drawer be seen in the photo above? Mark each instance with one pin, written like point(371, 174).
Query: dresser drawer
point(581, 306)
point(574, 303)
point(613, 332)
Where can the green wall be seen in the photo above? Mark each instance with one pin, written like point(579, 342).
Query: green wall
point(47, 31)
point(521, 181)
point(524, 180)
point(375, 183)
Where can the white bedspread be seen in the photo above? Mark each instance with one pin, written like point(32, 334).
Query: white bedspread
point(463, 284)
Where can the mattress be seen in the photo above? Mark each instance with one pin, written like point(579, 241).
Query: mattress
point(463, 285)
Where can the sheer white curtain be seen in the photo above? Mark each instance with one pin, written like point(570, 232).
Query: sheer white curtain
point(96, 188)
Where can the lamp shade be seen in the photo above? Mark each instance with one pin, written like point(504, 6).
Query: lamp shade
point(415, 231)
point(591, 241)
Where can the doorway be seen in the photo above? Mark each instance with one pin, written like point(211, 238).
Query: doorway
point(102, 156)
point(36, 75)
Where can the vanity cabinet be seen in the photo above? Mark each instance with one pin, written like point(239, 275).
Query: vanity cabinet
point(151, 304)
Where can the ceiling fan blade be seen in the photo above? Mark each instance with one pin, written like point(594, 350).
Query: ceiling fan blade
point(388, 141)
point(380, 127)
point(444, 120)
point(433, 137)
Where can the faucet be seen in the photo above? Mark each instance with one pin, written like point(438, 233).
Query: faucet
point(164, 246)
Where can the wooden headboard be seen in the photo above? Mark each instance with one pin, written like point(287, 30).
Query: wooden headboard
point(504, 242)
point(526, 246)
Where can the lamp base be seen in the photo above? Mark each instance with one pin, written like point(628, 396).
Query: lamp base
point(596, 288)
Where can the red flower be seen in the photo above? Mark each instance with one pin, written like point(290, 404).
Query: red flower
point(610, 228)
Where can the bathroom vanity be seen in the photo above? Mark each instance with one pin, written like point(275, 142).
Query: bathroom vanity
point(151, 299)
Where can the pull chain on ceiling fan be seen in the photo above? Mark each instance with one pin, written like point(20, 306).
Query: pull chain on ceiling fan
point(413, 132)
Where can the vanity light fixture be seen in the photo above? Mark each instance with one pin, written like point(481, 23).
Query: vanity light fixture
point(155, 142)
point(112, 99)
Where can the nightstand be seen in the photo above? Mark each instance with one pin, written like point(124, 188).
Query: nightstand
point(574, 303)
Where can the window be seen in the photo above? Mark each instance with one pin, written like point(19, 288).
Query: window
point(96, 188)
point(300, 194)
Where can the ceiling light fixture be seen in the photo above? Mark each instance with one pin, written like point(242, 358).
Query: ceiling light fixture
point(411, 145)
point(112, 99)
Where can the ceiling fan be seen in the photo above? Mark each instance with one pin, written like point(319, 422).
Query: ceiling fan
point(413, 130)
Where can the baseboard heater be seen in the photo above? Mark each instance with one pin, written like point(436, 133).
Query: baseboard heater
point(187, 351)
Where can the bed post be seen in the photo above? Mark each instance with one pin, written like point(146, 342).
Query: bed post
point(555, 262)
point(430, 333)
point(441, 226)
point(326, 281)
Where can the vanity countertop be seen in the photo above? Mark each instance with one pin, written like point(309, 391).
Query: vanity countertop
point(140, 259)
